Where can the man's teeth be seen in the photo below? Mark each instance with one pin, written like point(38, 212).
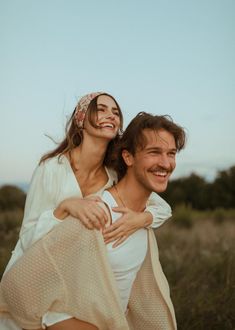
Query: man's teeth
point(160, 173)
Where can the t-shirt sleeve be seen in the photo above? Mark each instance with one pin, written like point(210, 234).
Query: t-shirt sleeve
point(160, 210)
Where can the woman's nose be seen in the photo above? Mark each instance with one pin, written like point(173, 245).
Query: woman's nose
point(109, 115)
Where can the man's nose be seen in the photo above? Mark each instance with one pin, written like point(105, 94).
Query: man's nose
point(164, 161)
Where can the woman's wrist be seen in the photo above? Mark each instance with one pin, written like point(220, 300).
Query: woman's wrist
point(148, 218)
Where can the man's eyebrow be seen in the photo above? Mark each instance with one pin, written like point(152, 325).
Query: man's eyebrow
point(173, 149)
point(153, 149)
point(160, 149)
point(105, 106)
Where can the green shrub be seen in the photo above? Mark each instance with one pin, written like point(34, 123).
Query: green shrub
point(11, 198)
point(182, 216)
point(10, 220)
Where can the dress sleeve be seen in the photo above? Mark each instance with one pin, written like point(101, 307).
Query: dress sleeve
point(160, 210)
point(40, 204)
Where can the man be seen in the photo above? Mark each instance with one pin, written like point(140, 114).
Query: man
point(146, 159)
point(110, 288)
point(145, 141)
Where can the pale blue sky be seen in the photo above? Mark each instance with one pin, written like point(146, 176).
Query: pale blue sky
point(172, 57)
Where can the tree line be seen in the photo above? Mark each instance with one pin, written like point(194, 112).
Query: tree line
point(193, 191)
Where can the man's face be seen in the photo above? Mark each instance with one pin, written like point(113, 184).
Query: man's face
point(153, 165)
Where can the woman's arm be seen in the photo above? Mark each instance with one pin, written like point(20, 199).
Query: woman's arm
point(38, 213)
point(40, 203)
point(155, 214)
point(88, 210)
point(49, 185)
point(159, 209)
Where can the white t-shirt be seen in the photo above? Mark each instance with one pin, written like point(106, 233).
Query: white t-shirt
point(127, 258)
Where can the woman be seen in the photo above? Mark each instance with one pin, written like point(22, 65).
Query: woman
point(65, 179)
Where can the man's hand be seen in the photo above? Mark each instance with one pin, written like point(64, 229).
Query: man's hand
point(126, 225)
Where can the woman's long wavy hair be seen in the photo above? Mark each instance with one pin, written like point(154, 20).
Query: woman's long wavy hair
point(74, 135)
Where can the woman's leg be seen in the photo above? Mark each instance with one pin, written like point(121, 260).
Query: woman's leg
point(72, 324)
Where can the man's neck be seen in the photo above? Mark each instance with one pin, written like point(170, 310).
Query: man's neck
point(132, 194)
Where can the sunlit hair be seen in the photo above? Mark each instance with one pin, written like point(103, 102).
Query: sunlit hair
point(74, 134)
point(134, 139)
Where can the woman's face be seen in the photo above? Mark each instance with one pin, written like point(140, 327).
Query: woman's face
point(108, 119)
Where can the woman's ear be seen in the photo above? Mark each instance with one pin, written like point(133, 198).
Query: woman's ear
point(127, 157)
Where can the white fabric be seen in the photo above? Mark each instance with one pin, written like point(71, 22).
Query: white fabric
point(127, 258)
point(51, 318)
point(160, 210)
point(52, 182)
point(6, 324)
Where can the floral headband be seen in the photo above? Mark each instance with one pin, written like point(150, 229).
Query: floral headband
point(82, 106)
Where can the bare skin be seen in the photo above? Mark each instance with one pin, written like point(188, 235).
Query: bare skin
point(124, 227)
point(72, 324)
point(85, 209)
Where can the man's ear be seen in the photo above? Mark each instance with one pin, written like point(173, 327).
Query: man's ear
point(127, 157)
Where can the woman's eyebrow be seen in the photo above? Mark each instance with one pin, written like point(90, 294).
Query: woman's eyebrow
point(105, 106)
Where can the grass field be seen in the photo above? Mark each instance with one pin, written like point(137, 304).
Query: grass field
point(197, 252)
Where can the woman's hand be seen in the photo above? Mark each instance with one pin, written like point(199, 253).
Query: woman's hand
point(85, 209)
point(126, 225)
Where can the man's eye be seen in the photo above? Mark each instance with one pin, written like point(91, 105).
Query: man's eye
point(154, 152)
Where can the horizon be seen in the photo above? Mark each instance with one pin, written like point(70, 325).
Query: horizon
point(24, 186)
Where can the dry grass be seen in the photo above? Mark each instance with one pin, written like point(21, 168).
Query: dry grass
point(200, 266)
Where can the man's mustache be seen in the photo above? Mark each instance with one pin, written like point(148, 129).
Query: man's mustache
point(162, 168)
